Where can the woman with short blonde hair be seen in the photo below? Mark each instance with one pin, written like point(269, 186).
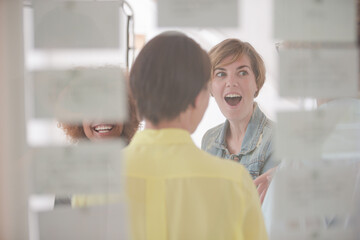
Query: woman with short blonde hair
point(238, 74)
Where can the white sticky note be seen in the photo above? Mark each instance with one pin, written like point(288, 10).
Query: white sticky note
point(283, 221)
point(319, 73)
point(83, 169)
point(301, 135)
point(324, 190)
point(344, 140)
point(315, 20)
point(76, 24)
point(79, 94)
point(197, 13)
point(107, 222)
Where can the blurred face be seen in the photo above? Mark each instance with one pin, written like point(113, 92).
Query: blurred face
point(234, 87)
point(99, 130)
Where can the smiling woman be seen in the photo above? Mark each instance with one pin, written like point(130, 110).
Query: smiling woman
point(97, 130)
point(238, 74)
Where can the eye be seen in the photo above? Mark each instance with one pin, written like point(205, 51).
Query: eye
point(220, 74)
point(243, 73)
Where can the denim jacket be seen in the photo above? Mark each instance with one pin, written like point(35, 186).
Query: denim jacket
point(256, 152)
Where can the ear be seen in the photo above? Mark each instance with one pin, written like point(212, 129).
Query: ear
point(256, 92)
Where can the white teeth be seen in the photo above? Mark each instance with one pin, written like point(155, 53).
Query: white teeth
point(103, 131)
point(232, 95)
point(103, 128)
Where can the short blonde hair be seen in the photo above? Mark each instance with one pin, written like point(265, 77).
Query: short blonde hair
point(236, 48)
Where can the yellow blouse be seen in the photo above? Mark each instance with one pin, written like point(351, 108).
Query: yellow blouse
point(177, 191)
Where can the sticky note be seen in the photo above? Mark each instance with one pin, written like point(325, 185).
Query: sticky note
point(197, 13)
point(318, 73)
point(315, 20)
point(79, 94)
point(306, 202)
point(344, 140)
point(76, 24)
point(83, 169)
point(315, 190)
point(107, 222)
point(301, 134)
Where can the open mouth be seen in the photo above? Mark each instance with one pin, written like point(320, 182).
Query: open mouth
point(103, 128)
point(233, 99)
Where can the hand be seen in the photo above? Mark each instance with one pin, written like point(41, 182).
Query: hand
point(263, 181)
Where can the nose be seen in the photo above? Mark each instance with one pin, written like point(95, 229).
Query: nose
point(231, 81)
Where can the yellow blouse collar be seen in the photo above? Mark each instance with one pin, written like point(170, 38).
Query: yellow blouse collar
point(162, 136)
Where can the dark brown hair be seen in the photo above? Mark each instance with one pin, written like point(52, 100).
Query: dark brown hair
point(236, 48)
point(167, 75)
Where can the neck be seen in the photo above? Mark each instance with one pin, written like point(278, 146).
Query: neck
point(165, 124)
point(183, 121)
point(238, 128)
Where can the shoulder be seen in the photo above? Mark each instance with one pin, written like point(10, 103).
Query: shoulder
point(229, 177)
point(224, 168)
point(210, 135)
point(268, 143)
point(261, 119)
point(267, 128)
point(269, 125)
point(268, 133)
point(215, 130)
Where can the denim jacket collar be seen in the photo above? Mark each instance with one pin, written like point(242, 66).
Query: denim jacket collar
point(253, 134)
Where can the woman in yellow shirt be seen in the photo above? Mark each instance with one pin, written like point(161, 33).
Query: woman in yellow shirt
point(176, 190)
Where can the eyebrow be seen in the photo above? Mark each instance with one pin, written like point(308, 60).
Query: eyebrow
point(240, 67)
